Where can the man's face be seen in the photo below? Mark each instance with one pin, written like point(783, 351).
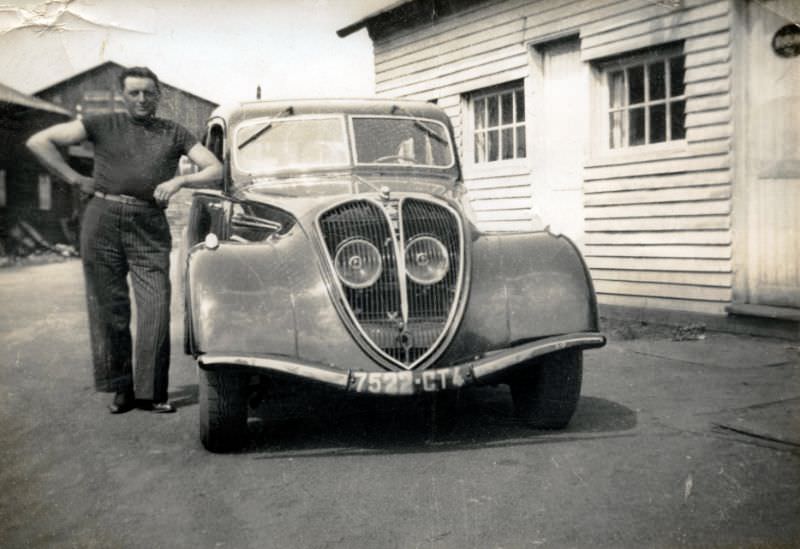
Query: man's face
point(141, 96)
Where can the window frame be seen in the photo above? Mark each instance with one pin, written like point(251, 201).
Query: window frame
point(515, 164)
point(601, 135)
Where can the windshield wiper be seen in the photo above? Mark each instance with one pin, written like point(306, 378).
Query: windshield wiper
point(285, 112)
point(419, 124)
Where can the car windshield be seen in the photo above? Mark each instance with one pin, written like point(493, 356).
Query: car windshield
point(292, 143)
point(402, 141)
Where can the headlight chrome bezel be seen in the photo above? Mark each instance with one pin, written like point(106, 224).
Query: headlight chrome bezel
point(416, 258)
point(357, 261)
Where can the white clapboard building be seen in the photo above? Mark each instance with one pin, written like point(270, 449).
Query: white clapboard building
point(662, 136)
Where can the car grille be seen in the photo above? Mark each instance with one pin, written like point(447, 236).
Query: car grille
point(402, 319)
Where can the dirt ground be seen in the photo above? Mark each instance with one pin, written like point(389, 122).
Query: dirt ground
point(677, 442)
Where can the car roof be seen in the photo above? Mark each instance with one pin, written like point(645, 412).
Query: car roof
point(236, 112)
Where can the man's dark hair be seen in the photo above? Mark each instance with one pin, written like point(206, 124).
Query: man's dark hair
point(138, 72)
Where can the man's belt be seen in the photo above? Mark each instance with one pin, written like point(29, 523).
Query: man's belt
point(124, 199)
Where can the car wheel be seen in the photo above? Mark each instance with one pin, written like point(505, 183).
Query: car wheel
point(223, 410)
point(546, 392)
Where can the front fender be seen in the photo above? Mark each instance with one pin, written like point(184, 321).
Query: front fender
point(266, 298)
point(525, 286)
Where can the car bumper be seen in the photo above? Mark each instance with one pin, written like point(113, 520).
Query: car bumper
point(481, 370)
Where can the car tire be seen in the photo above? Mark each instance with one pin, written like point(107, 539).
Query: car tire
point(546, 392)
point(223, 410)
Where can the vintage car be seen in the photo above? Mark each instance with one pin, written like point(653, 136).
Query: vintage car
point(342, 250)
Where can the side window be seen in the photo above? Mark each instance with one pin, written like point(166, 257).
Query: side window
point(215, 141)
point(646, 98)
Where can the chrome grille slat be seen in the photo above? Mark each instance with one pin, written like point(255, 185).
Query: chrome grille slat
point(378, 310)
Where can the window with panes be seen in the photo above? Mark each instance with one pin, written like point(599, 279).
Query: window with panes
point(647, 101)
point(499, 124)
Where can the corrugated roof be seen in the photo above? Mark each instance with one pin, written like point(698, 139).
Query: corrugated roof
point(11, 96)
point(361, 23)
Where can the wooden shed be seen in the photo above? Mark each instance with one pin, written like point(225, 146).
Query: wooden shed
point(662, 136)
point(28, 196)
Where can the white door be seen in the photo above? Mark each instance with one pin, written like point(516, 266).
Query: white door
point(560, 134)
point(773, 159)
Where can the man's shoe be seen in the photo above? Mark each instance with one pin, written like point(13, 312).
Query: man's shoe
point(124, 401)
point(162, 408)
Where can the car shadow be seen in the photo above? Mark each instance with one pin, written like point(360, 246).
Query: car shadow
point(185, 395)
point(335, 425)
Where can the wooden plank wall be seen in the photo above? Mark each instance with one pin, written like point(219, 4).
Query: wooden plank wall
point(658, 225)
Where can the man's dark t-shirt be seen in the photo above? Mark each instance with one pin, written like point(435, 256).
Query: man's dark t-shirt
point(133, 157)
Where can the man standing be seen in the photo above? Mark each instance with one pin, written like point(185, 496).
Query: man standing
point(124, 231)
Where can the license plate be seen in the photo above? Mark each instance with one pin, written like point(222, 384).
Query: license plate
point(409, 383)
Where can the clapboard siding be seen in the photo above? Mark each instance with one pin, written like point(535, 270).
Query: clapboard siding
point(708, 87)
point(504, 199)
point(440, 73)
point(711, 207)
point(678, 164)
point(658, 231)
point(457, 49)
point(698, 119)
point(659, 237)
point(671, 223)
point(683, 179)
point(709, 133)
point(656, 219)
point(680, 305)
point(647, 289)
point(498, 64)
point(722, 280)
point(656, 196)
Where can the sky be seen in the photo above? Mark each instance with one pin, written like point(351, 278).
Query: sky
point(220, 50)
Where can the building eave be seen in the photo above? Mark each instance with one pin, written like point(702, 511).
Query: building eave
point(363, 22)
point(10, 96)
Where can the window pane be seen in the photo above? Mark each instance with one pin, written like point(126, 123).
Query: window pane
point(520, 100)
point(676, 73)
point(493, 115)
point(493, 145)
point(507, 108)
point(636, 85)
point(616, 83)
point(480, 147)
point(657, 85)
point(617, 137)
point(678, 119)
point(508, 143)
point(480, 114)
point(521, 151)
point(636, 118)
point(658, 123)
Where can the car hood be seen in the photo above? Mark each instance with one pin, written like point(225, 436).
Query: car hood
point(306, 195)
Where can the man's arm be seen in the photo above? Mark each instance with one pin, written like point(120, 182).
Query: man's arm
point(44, 145)
point(210, 175)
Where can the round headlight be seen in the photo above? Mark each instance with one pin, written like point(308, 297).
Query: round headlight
point(426, 260)
point(358, 263)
